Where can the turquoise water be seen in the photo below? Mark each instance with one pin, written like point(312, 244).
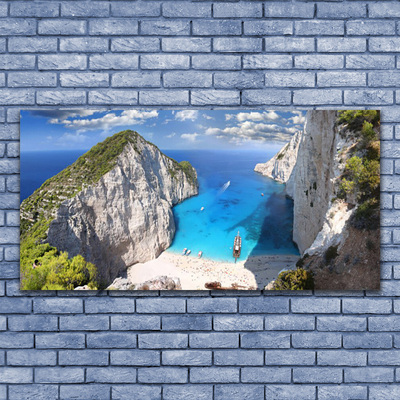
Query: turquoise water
point(265, 222)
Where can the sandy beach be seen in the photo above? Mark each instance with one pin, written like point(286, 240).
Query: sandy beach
point(254, 273)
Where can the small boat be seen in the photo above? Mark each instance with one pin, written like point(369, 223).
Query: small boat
point(237, 246)
point(262, 194)
point(202, 208)
point(184, 251)
point(188, 252)
point(200, 254)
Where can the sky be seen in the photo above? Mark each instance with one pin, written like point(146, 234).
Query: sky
point(51, 130)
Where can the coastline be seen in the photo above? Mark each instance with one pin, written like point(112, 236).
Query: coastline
point(251, 274)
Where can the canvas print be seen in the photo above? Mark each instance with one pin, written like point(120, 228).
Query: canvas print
point(200, 200)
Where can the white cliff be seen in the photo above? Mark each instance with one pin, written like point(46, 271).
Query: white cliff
point(126, 217)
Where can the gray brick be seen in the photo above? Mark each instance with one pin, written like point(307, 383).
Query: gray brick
point(149, 306)
point(59, 375)
point(179, 392)
point(346, 392)
point(238, 10)
point(241, 323)
point(109, 96)
point(84, 322)
point(290, 357)
point(163, 375)
point(187, 79)
point(288, 10)
point(111, 375)
point(184, 9)
point(32, 391)
point(34, 79)
point(235, 392)
point(368, 97)
point(235, 45)
point(135, 322)
point(382, 392)
point(164, 61)
point(386, 44)
point(212, 305)
point(98, 392)
point(13, 181)
point(289, 79)
point(129, 9)
point(261, 375)
point(341, 323)
point(111, 340)
point(289, 322)
point(127, 392)
point(135, 357)
point(341, 45)
point(342, 358)
point(16, 375)
point(16, 340)
point(384, 10)
point(387, 323)
point(19, 26)
point(384, 357)
point(265, 340)
point(321, 340)
point(186, 357)
point(6, 200)
point(61, 27)
point(217, 27)
point(342, 78)
point(264, 305)
point(137, 79)
point(113, 27)
point(36, 9)
point(113, 61)
point(345, 10)
point(367, 306)
point(275, 97)
point(165, 28)
point(194, 45)
point(61, 61)
point(317, 96)
point(83, 357)
point(288, 44)
point(135, 44)
point(319, 61)
point(187, 323)
point(18, 306)
point(87, 45)
point(107, 305)
point(317, 375)
point(368, 374)
point(17, 61)
point(326, 306)
point(65, 97)
point(367, 341)
point(238, 357)
point(384, 78)
point(214, 340)
point(290, 392)
point(268, 27)
point(163, 340)
point(219, 97)
point(168, 98)
point(31, 357)
point(32, 45)
point(83, 79)
point(12, 152)
point(57, 306)
point(316, 27)
point(32, 323)
point(85, 9)
point(370, 61)
point(216, 62)
point(373, 28)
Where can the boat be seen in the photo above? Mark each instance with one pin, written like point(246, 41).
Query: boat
point(200, 254)
point(262, 194)
point(184, 251)
point(237, 246)
point(188, 252)
point(202, 208)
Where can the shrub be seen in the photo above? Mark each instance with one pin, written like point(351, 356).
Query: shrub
point(331, 254)
point(299, 279)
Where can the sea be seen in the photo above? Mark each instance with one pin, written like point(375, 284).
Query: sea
point(232, 198)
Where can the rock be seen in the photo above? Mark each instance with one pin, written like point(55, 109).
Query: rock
point(160, 283)
point(85, 287)
point(126, 217)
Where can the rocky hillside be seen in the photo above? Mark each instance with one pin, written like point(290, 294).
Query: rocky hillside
point(332, 173)
point(113, 205)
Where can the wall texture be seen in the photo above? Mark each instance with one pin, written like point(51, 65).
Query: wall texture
point(203, 345)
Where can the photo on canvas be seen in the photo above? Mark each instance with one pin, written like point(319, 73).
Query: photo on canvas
point(200, 200)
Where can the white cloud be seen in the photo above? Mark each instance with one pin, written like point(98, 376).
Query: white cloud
point(187, 115)
point(205, 116)
point(257, 116)
point(108, 121)
point(298, 118)
point(191, 137)
point(171, 135)
point(71, 138)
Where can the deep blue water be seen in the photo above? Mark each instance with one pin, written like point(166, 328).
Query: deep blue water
point(265, 222)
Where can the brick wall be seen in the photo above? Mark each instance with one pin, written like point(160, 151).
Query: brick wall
point(200, 345)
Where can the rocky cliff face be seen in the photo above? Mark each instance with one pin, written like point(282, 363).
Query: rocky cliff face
point(126, 217)
point(309, 165)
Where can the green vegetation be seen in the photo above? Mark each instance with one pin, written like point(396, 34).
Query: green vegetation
point(331, 254)
point(299, 279)
point(360, 180)
point(282, 152)
point(43, 267)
